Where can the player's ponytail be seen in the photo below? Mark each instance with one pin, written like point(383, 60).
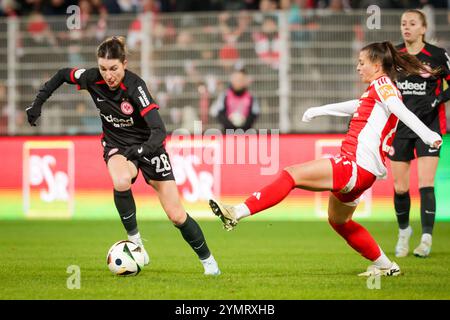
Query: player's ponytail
point(113, 48)
point(396, 63)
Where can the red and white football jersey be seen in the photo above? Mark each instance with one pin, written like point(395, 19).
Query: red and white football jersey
point(372, 128)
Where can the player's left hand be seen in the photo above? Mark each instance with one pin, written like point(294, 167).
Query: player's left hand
point(309, 115)
point(33, 113)
point(136, 152)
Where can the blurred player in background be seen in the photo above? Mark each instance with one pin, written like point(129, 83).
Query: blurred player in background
point(236, 108)
point(424, 95)
point(133, 139)
point(362, 159)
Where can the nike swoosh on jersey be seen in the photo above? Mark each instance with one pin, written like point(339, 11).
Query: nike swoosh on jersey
point(165, 174)
point(100, 100)
point(432, 150)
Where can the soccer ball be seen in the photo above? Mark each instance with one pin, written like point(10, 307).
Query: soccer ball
point(125, 258)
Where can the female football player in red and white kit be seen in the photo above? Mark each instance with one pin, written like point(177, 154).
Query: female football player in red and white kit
point(362, 159)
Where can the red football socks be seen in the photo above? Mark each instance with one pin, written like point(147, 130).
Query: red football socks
point(358, 238)
point(271, 194)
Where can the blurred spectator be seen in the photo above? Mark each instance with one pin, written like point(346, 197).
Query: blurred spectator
point(161, 32)
point(236, 108)
point(186, 5)
point(25, 7)
point(267, 43)
point(129, 6)
point(8, 8)
point(39, 30)
point(56, 7)
point(112, 6)
point(3, 109)
point(337, 5)
point(233, 31)
point(300, 20)
point(268, 5)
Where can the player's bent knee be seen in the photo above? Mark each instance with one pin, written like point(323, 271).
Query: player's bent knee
point(122, 183)
point(401, 189)
point(337, 220)
point(177, 217)
point(294, 172)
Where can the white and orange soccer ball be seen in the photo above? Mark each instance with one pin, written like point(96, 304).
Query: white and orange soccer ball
point(125, 258)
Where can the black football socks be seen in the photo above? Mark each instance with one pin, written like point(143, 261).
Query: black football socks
point(127, 210)
point(427, 209)
point(191, 232)
point(402, 203)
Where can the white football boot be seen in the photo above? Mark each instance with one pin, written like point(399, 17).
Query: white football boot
point(225, 213)
point(374, 270)
point(424, 248)
point(138, 241)
point(402, 247)
point(211, 267)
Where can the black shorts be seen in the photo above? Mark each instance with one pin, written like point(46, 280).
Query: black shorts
point(409, 149)
point(156, 166)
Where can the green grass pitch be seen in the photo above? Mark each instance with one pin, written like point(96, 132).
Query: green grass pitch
point(259, 260)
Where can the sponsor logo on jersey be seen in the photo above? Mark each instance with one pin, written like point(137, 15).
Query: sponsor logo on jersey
point(414, 88)
point(386, 91)
point(126, 108)
point(118, 123)
point(143, 97)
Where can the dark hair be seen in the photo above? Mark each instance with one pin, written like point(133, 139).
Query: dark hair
point(113, 48)
point(240, 70)
point(396, 63)
point(422, 18)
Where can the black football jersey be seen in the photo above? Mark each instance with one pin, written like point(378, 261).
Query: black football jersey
point(122, 111)
point(419, 91)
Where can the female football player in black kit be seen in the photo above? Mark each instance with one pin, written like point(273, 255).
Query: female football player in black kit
point(133, 139)
point(423, 95)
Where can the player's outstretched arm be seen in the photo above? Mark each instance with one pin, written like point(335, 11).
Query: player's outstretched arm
point(397, 107)
point(33, 111)
point(341, 109)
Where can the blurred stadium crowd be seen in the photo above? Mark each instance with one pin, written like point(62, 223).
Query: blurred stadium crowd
point(58, 7)
point(306, 58)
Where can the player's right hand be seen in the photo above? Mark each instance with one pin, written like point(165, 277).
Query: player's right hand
point(33, 113)
point(437, 140)
point(308, 115)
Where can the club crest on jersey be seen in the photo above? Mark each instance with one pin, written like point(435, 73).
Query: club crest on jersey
point(126, 108)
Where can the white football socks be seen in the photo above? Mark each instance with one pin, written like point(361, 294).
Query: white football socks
point(427, 238)
point(383, 261)
point(241, 211)
point(136, 238)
